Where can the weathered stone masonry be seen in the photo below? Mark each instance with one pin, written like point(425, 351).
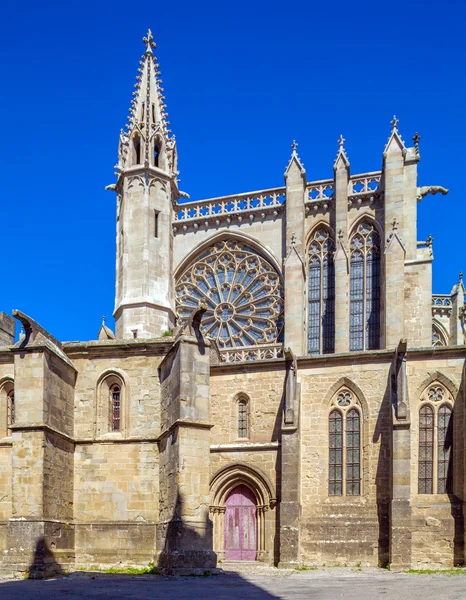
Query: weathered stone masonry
point(282, 386)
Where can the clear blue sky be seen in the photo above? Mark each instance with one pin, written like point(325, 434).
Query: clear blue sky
point(242, 80)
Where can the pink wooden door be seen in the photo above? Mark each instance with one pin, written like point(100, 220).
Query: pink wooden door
point(240, 525)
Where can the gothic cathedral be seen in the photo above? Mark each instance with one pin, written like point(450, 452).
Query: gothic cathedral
point(282, 385)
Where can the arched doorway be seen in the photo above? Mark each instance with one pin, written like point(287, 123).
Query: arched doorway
point(241, 524)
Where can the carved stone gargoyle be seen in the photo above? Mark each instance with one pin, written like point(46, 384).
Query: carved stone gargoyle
point(35, 335)
point(192, 325)
point(430, 189)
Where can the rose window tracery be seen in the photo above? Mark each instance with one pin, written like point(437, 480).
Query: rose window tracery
point(242, 291)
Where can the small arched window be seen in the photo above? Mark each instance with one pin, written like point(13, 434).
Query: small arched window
point(435, 442)
point(136, 150)
point(115, 408)
point(365, 288)
point(321, 294)
point(344, 446)
point(11, 408)
point(243, 418)
point(156, 154)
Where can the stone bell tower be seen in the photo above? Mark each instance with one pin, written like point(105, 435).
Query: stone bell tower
point(146, 190)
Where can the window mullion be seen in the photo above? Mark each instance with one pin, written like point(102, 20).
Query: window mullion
point(343, 460)
point(435, 454)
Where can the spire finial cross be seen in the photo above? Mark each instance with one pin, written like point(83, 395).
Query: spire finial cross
point(103, 319)
point(294, 145)
point(461, 276)
point(341, 141)
point(394, 122)
point(148, 40)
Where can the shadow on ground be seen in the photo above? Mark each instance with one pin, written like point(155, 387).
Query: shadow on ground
point(90, 586)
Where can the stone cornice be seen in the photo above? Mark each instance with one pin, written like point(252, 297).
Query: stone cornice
point(156, 346)
point(244, 446)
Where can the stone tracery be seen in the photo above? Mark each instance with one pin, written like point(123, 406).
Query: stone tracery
point(242, 291)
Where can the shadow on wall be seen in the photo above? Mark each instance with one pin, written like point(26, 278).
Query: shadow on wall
point(382, 433)
point(455, 477)
point(187, 544)
point(43, 563)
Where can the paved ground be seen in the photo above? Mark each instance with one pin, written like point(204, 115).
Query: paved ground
point(329, 584)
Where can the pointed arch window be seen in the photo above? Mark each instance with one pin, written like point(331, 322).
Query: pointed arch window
point(365, 288)
point(156, 154)
point(243, 418)
point(11, 408)
point(136, 150)
point(435, 442)
point(438, 339)
point(321, 294)
point(344, 446)
point(115, 408)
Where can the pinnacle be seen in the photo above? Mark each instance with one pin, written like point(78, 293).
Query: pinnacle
point(148, 40)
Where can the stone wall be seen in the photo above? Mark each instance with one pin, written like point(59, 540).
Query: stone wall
point(345, 529)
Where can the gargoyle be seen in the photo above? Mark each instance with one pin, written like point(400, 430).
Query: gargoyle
point(192, 325)
point(430, 189)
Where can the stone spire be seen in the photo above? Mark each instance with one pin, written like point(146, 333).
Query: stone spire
point(146, 138)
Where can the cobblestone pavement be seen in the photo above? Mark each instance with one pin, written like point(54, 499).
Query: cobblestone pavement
point(268, 584)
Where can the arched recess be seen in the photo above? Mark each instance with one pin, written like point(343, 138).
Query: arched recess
point(107, 382)
point(225, 481)
point(366, 216)
point(241, 412)
point(358, 401)
point(439, 334)
point(321, 224)
point(441, 378)
point(345, 382)
point(365, 289)
point(241, 286)
point(228, 235)
point(7, 387)
point(320, 252)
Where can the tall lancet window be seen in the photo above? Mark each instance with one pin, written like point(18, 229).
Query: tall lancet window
point(365, 288)
point(321, 294)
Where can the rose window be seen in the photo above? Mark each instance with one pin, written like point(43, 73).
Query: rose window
point(242, 291)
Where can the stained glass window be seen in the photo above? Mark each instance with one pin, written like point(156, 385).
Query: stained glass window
point(115, 407)
point(353, 449)
point(365, 288)
point(444, 449)
point(243, 293)
point(242, 419)
point(426, 450)
point(321, 294)
point(335, 479)
point(11, 408)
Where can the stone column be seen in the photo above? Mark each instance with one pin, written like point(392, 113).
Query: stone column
point(400, 510)
point(290, 507)
point(457, 333)
point(293, 268)
point(393, 177)
point(184, 531)
point(341, 169)
point(40, 537)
